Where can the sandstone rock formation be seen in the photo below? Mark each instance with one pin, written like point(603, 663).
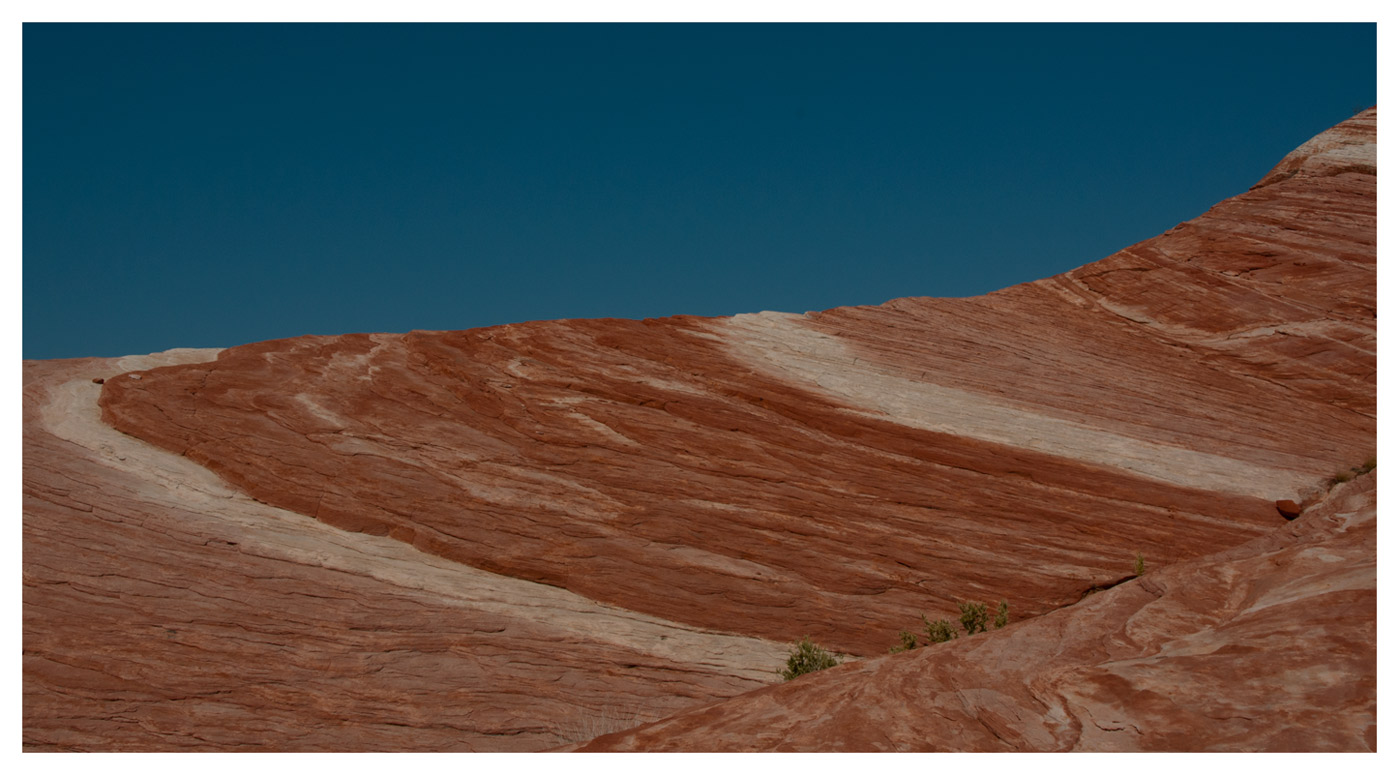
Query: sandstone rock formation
point(164, 611)
point(1269, 646)
point(765, 476)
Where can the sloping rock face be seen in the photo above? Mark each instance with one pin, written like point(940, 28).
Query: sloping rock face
point(164, 611)
point(1270, 646)
point(836, 474)
point(766, 476)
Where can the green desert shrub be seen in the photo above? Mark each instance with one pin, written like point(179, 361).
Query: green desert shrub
point(974, 620)
point(807, 657)
point(939, 631)
point(907, 641)
point(1139, 565)
point(973, 617)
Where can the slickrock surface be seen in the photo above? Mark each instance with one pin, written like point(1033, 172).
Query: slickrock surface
point(1270, 646)
point(164, 611)
point(443, 540)
point(837, 474)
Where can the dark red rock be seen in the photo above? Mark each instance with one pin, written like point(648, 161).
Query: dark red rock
point(1269, 646)
point(1288, 508)
point(835, 475)
point(162, 612)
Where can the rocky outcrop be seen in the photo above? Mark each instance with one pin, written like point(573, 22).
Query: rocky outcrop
point(164, 611)
point(1269, 646)
point(766, 476)
point(834, 474)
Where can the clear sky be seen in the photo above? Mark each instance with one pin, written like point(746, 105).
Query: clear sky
point(212, 185)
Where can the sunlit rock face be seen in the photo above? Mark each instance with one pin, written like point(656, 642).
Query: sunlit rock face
point(166, 611)
point(1268, 646)
point(727, 485)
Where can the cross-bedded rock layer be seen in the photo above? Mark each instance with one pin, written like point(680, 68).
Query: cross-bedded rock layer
point(838, 473)
point(834, 474)
point(164, 611)
point(1269, 646)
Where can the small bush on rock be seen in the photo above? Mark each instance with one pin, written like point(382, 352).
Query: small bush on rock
point(907, 641)
point(1352, 473)
point(939, 631)
point(807, 657)
point(974, 617)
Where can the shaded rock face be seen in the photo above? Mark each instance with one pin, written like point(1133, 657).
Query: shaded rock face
point(731, 483)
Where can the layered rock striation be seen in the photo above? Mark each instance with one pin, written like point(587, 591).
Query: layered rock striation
point(732, 482)
point(837, 473)
point(1269, 646)
point(164, 611)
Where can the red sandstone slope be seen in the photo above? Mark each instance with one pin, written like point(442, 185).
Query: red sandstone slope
point(839, 473)
point(1267, 646)
point(164, 612)
point(1270, 646)
point(770, 475)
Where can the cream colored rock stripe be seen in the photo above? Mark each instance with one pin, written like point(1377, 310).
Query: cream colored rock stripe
point(210, 506)
point(784, 347)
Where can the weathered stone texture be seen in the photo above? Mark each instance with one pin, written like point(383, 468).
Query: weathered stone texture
point(768, 476)
point(1269, 646)
point(837, 473)
point(166, 612)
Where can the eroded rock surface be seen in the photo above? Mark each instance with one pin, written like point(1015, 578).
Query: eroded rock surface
point(649, 486)
point(165, 611)
point(838, 473)
point(1270, 646)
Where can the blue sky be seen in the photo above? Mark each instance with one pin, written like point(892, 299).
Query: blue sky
point(212, 185)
